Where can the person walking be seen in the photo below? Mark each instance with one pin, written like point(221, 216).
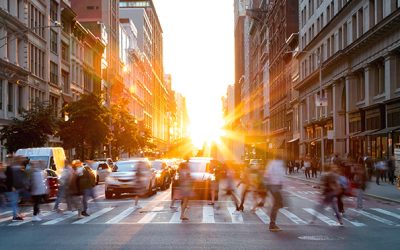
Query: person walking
point(342, 190)
point(274, 178)
point(16, 182)
point(307, 167)
point(87, 182)
point(246, 182)
point(38, 186)
point(140, 182)
point(391, 168)
point(186, 188)
point(74, 188)
point(3, 186)
point(330, 184)
point(214, 184)
point(360, 182)
point(63, 192)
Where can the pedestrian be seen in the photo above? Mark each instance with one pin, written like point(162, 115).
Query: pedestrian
point(391, 168)
point(330, 184)
point(342, 190)
point(314, 167)
point(3, 186)
point(307, 167)
point(74, 188)
point(140, 182)
point(246, 182)
point(214, 184)
point(360, 183)
point(370, 167)
point(230, 186)
point(38, 186)
point(16, 181)
point(63, 192)
point(87, 182)
point(380, 168)
point(273, 179)
point(186, 188)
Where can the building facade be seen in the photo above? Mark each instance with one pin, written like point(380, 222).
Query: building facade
point(349, 77)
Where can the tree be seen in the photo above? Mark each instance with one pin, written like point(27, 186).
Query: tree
point(32, 130)
point(145, 141)
point(87, 127)
point(124, 138)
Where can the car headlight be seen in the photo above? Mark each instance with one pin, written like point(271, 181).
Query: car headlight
point(212, 177)
point(158, 174)
point(176, 176)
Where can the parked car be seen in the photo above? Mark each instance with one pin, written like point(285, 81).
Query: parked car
point(102, 170)
point(123, 177)
point(201, 172)
point(163, 174)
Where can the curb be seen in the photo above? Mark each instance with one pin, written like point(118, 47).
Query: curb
point(365, 193)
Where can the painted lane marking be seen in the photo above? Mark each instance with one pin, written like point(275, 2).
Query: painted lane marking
point(121, 216)
point(94, 216)
point(374, 217)
point(292, 216)
point(237, 218)
point(149, 216)
point(322, 217)
point(208, 214)
point(263, 216)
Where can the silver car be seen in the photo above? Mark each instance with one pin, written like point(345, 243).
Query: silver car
point(102, 170)
point(122, 179)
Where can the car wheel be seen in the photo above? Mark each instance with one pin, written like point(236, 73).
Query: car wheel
point(108, 195)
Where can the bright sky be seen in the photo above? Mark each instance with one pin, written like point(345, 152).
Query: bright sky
point(199, 54)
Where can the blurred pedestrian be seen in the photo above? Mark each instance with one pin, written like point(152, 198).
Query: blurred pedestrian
point(342, 190)
point(360, 182)
point(140, 182)
point(87, 182)
point(3, 186)
point(230, 185)
point(16, 183)
point(63, 191)
point(246, 182)
point(380, 168)
point(74, 188)
point(370, 167)
point(274, 178)
point(38, 186)
point(186, 187)
point(391, 168)
point(330, 184)
point(217, 172)
point(314, 167)
point(307, 167)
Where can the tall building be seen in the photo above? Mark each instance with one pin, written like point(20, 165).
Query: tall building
point(349, 83)
point(150, 41)
point(282, 23)
point(101, 17)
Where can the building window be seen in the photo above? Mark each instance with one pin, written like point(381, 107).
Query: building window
point(354, 27)
point(20, 99)
point(36, 59)
point(10, 106)
point(36, 21)
point(345, 42)
point(65, 81)
point(54, 104)
point(64, 51)
point(53, 73)
point(379, 79)
point(340, 38)
point(53, 10)
point(54, 42)
point(360, 22)
point(311, 7)
point(397, 71)
point(1, 94)
point(360, 87)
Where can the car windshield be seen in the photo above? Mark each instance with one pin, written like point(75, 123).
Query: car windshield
point(126, 166)
point(157, 165)
point(198, 166)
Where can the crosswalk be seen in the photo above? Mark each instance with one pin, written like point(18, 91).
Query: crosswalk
point(204, 214)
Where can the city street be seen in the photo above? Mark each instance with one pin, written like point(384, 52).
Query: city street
point(115, 224)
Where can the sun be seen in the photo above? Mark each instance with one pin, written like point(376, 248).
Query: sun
point(205, 133)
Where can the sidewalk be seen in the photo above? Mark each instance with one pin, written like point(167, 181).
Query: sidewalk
point(384, 191)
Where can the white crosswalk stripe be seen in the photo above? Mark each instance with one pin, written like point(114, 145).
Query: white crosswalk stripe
point(121, 216)
point(93, 216)
point(322, 217)
point(386, 212)
point(262, 216)
point(208, 214)
point(7, 212)
point(236, 217)
point(292, 216)
point(374, 217)
point(62, 218)
point(149, 216)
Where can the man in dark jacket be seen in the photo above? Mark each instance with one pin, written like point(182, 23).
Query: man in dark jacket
point(87, 181)
point(16, 181)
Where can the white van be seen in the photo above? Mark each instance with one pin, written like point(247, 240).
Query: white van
point(54, 157)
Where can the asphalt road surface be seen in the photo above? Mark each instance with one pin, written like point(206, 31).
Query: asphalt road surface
point(116, 224)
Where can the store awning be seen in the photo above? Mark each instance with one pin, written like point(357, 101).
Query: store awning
point(386, 130)
point(293, 140)
point(365, 133)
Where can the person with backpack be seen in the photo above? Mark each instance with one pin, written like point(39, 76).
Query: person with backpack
point(87, 182)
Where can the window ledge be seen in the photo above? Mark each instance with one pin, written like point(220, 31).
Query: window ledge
point(360, 103)
point(378, 97)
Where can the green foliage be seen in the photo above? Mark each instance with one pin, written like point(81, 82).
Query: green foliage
point(87, 127)
point(32, 130)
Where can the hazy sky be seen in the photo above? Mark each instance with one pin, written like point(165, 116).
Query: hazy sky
point(199, 54)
